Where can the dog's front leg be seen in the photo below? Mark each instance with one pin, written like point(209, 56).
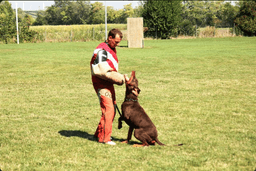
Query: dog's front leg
point(129, 135)
point(120, 123)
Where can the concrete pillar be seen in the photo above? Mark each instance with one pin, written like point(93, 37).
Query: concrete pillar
point(135, 34)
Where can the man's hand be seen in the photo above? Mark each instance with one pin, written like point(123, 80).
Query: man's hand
point(126, 78)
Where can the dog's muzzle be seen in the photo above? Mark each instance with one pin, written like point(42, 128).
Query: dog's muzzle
point(136, 91)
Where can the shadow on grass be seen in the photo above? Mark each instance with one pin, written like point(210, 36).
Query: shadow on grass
point(77, 133)
point(85, 135)
point(82, 134)
point(123, 46)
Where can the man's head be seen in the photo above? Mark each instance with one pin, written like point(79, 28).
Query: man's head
point(114, 38)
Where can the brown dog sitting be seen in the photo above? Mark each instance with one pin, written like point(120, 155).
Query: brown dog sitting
point(135, 116)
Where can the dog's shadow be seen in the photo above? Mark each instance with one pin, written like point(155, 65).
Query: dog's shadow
point(82, 134)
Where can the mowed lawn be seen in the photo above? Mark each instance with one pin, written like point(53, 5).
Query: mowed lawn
point(199, 92)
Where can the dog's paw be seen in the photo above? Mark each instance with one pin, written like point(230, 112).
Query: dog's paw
point(125, 142)
point(138, 145)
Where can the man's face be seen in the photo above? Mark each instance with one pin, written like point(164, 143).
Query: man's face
point(114, 42)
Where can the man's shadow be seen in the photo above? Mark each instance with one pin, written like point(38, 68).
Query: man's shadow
point(77, 133)
point(82, 134)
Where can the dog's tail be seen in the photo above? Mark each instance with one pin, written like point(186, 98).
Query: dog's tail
point(158, 142)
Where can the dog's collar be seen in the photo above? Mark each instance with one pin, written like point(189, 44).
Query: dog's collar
point(130, 99)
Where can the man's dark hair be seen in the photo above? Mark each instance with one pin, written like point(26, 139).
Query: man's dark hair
point(114, 32)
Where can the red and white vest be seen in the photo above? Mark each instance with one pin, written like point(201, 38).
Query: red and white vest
point(103, 54)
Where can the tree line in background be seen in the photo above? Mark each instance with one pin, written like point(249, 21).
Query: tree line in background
point(163, 18)
point(65, 12)
point(8, 24)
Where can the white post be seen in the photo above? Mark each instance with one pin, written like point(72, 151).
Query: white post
point(17, 24)
point(23, 5)
point(106, 26)
point(196, 30)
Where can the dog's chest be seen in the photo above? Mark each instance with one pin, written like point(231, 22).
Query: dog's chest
point(134, 114)
point(131, 109)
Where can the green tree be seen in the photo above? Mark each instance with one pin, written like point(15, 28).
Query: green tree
point(226, 14)
point(246, 18)
point(40, 18)
point(206, 13)
point(25, 21)
point(138, 11)
point(111, 14)
point(53, 16)
point(65, 12)
point(97, 13)
point(82, 10)
point(28, 20)
point(61, 3)
point(127, 12)
point(189, 18)
point(201, 13)
point(162, 17)
point(76, 12)
point(118, 16)
point(7, 22)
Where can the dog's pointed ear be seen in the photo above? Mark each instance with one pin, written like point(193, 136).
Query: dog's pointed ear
point(133, 74)
point(131, 78)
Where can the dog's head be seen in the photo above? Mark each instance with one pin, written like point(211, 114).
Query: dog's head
point(132, 84)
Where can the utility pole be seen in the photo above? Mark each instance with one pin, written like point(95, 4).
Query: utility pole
point(106, 26)
point(17, 25)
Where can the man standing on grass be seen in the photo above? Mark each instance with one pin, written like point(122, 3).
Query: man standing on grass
point(104, 70)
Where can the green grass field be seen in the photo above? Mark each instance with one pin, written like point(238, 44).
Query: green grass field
point(199, 92)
